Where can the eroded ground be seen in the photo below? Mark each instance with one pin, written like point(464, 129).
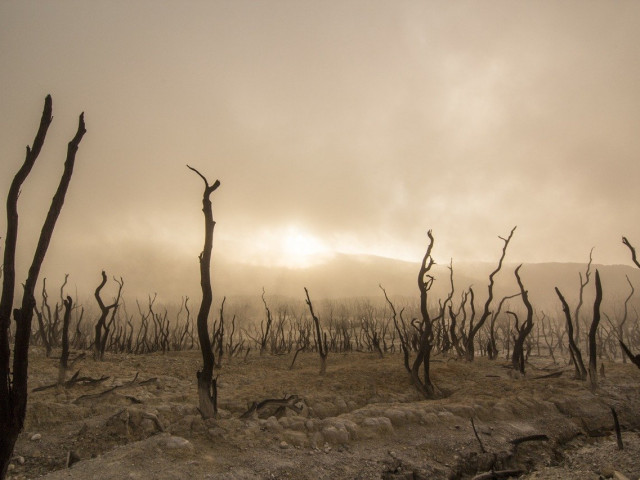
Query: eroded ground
point(363, 420)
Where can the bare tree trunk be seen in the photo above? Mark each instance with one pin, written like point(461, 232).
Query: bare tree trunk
point(13, 386)
point(593, 359)
point(207, 386)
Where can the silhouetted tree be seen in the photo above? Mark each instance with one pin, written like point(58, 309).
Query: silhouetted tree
point(13, 383)
point(320, 337)
point(574, 350)
point(100, 339)
point(518, 346)
point(593, 370)
point(425, 328)
point(634, 358)
point(473, 329)
point(207, 385)
point(64, 356)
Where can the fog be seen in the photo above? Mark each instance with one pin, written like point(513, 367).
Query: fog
point(334, 127)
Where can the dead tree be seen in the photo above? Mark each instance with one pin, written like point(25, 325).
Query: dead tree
point(402, 332)
point(13, 383)
point(593, 370)
point(264, 331)
point(634, 257)
point(64, 357)
point(634, 358)
point(620, 327)
point(207, 385)
point(320, 339)
point(424, 385)
point(574, 351)
point(583, 284)
point(100, 338)
point(218, 336)
point(492, 351)
point(518, 346)
point(473, 329)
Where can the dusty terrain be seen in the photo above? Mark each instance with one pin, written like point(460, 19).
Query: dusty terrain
point(363, 420)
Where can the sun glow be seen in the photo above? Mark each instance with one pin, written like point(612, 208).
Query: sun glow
point(300, 249)
point(285, 246)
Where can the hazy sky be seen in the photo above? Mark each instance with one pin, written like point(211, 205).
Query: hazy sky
point(332, 125)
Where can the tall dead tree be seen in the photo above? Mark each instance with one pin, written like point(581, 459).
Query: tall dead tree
point(593, 370)
point(207, 385)
point(473, 329)
point(634, 358)
point(424, 385)
point(13, 383)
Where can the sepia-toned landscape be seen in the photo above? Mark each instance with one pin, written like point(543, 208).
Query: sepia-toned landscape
point(316, 240)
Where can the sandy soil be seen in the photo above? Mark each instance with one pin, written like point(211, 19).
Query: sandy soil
point(362, 420)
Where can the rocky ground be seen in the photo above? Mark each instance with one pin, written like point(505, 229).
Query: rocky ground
point(362, 420)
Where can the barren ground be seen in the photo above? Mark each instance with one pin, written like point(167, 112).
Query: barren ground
point(363, 420)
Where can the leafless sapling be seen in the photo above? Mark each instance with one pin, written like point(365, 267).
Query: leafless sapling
point(207, 385)
point(13, 383)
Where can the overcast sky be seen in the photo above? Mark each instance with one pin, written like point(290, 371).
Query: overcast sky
point(332, 125)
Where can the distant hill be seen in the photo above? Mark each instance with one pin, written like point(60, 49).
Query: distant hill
point(340, 276)
point(359, 276)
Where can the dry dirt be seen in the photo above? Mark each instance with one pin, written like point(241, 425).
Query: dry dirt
point(362, 420)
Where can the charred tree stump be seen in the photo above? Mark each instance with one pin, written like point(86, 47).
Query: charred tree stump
point(207, 387)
